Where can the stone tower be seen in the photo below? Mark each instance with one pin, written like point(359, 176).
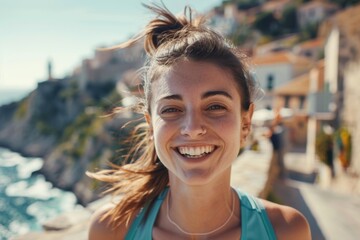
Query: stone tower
point(49, 69)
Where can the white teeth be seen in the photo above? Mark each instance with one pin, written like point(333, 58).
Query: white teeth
point(195, 151)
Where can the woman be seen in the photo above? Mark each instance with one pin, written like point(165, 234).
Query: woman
point(198, 108)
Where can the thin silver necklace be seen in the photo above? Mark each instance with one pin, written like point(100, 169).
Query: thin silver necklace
point(200, 234)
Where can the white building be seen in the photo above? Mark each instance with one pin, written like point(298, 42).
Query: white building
point(275, 69)
point(314, 12)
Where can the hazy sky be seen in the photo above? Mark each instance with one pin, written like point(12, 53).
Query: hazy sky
point(66, 31)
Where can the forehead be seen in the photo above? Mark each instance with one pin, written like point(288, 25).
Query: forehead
point(191, 77)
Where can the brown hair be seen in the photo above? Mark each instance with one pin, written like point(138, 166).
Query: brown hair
point(167, 39)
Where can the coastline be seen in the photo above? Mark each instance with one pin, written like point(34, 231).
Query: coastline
point(30, 198)
point(44, 173)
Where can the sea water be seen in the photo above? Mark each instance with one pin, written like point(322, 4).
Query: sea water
point(27, 200)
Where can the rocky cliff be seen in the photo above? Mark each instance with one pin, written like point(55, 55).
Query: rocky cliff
point(64, 125)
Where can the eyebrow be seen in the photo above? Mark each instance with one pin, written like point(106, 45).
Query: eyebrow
point(172, 97)
point(205, 95)
point(214, 93)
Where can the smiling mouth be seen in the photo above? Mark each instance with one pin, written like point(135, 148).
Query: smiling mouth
point(196, 152)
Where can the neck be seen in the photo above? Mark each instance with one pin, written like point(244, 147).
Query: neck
point(200, 211)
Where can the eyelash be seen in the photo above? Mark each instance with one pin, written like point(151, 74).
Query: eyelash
point(170, 110)
point(216, 107)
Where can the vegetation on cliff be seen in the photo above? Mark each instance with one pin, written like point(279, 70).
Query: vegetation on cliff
point(66, 126)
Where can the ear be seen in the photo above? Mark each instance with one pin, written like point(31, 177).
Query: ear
point(246, 123)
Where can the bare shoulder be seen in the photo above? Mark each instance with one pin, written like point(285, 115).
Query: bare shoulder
point(288, 222)
point(100, 229)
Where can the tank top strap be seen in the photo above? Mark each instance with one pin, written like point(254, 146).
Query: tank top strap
point(255, 223)
point(141, 228)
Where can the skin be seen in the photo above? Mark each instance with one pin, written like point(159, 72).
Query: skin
point(196, 106)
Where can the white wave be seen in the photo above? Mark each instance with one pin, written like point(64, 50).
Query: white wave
point(4, 180)
point(10, 159)
point(43, 211)
point(15, 188)
point(40, 189)
point(68, 201)
point(19, 227)
point(26, 169)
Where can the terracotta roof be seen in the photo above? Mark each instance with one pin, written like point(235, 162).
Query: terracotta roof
point(280, 57)
point(273, 58)
point(318, 42)
point(314, 4)
point(297, 86)
point(274, 5)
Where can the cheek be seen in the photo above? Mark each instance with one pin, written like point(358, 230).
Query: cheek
point(159, 127)
point(162, 137)
point(230, 125)
point(162, 133)
point(231, 133)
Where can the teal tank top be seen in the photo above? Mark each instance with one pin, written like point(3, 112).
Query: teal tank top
point(255, 221)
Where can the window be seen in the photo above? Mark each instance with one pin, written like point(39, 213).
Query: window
point(287, 101)
point(270, 82)
point(302, 100)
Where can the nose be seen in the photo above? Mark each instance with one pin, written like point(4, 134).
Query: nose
point(193, 125)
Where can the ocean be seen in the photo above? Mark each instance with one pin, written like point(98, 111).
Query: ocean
point(26, 199)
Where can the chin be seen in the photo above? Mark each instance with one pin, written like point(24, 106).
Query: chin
point(196, 178)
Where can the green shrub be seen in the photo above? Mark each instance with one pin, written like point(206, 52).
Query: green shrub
point(44, 128)
point(22, 109)
point(324, 143)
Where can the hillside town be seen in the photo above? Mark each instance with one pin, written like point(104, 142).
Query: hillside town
point(305, 55)
point(309, 68)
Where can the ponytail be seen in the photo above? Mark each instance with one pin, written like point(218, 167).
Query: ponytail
point(165, 27)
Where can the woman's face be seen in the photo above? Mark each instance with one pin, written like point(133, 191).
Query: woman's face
point(196, 121)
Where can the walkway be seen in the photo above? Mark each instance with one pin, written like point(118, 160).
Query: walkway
point(332, 214)
point(250, 171)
